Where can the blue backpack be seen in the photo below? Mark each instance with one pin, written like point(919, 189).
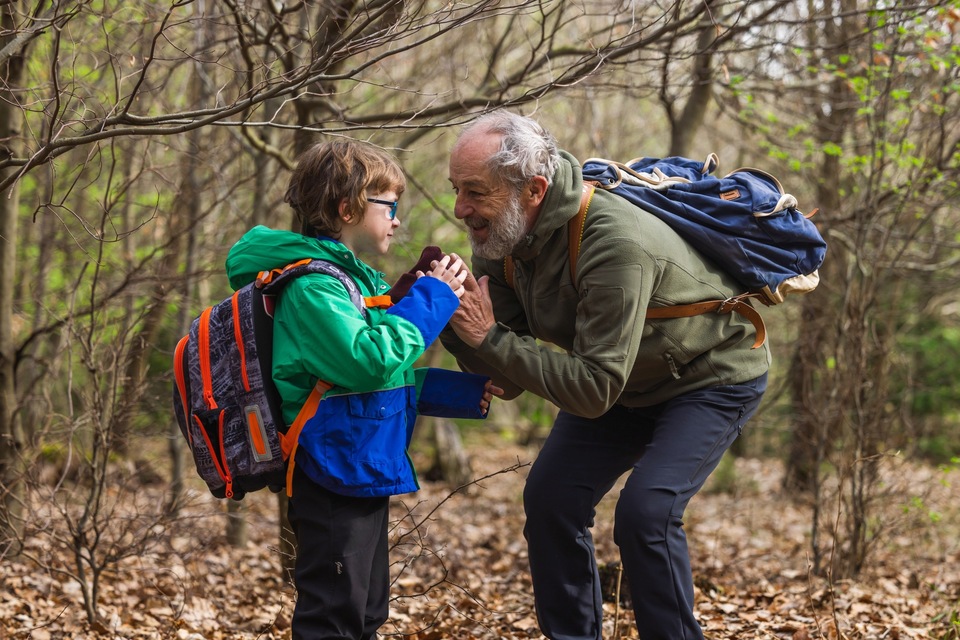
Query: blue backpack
point(743, 222)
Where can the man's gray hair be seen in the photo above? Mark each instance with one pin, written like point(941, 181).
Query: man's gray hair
point(527, 149)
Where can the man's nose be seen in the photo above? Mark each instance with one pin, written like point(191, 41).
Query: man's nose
point(460, 209)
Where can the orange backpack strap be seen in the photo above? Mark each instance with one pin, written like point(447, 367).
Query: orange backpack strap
point(290, 440)
point(574, 235)
point(378, 302)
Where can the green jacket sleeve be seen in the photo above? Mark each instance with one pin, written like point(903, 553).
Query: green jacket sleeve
point(587, 375)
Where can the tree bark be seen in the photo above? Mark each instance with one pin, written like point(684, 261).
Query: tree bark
point(12, 466)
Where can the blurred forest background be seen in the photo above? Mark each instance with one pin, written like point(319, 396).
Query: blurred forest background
point(139, 140)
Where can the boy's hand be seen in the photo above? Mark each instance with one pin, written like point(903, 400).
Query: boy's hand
point(449, 269)
point(488, 392)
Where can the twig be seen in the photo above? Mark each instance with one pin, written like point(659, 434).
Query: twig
point(616, 614)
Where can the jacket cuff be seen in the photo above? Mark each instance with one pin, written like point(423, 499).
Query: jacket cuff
point(442, 393)
point(428, 306)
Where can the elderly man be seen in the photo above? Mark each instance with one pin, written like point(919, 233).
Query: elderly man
point(659, 400)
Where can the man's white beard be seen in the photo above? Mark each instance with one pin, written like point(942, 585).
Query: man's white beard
point(503, 233)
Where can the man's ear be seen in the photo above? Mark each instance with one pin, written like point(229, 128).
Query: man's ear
point(536, 190)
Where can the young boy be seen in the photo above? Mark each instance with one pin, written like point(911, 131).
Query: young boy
point(352, 452)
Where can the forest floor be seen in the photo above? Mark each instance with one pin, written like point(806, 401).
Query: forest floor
point(460, 568)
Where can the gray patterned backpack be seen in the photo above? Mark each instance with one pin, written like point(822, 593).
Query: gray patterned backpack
point(224, 398)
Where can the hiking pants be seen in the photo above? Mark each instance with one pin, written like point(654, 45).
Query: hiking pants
point(669, 450)
point(342, 571)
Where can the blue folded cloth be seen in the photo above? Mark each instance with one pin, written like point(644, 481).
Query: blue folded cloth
point(443, 393)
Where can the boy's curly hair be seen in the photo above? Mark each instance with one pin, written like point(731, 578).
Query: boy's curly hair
point(330, 172)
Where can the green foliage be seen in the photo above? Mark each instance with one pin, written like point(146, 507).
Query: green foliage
point(52, 452)
point(935, 351)
point(917, 505)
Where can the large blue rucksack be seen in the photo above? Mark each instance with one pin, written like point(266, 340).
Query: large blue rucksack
point(744, 222)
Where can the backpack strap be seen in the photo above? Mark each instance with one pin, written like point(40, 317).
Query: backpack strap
point(272, 283)
point(736, 304)
point(575, 228)
point(290, 440)
point(378, 302)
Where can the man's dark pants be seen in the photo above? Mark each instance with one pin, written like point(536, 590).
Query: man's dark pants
point(669, 449)
point(342, 570)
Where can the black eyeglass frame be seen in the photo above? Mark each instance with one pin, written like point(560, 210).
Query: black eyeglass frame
point(390, 203)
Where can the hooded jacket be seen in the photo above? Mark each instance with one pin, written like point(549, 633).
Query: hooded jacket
point(609, 353)
point(356, 442)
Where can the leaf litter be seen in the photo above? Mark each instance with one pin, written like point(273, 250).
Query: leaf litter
point(459, 567)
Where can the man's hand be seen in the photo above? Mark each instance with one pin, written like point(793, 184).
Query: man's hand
point(474, 318)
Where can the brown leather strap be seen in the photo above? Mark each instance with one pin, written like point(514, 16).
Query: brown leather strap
point(575, 228)
point(736, 304)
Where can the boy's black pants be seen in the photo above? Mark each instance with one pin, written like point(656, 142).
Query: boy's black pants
point(342, 571)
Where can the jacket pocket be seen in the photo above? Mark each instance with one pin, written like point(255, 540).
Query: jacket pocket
point(378, 425)
point(359, 442)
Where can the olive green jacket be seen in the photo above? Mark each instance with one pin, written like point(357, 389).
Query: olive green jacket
point(608, 353)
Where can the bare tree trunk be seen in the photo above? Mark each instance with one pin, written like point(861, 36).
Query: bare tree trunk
point(236, 524)
point(136, 355)
point(174, 438)
point(38, 359)
point(11, 434)
point(183, 223)
point(685, 128)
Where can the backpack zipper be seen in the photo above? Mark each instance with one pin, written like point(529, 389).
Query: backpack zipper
point(238, 336)
point(219, 461)
point(204, 351)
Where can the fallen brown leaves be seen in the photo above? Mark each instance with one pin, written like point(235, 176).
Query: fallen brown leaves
point(459, 563)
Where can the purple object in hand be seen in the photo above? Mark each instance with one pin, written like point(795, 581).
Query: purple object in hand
point(428, 255)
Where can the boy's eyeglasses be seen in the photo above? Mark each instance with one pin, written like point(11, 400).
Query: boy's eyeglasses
point(392, 204)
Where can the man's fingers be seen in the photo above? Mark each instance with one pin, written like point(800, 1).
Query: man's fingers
point(483, 284)
point(470, 282)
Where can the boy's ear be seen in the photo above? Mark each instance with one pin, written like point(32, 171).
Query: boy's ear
point(343, 209)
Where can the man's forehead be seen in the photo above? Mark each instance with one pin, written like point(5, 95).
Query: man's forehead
point(470, 169)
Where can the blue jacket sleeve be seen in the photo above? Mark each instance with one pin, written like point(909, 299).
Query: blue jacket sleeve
point(442, 393)
point(428, 306)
